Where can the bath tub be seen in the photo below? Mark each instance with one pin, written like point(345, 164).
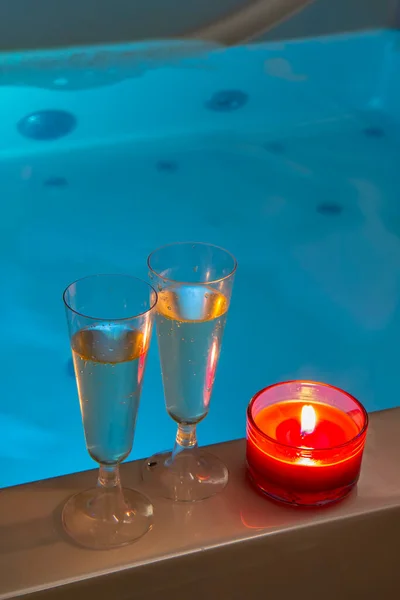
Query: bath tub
point(286, 153)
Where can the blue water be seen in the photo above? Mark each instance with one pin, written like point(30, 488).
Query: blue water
point(286, 154)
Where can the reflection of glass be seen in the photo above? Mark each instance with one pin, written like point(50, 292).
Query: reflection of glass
point(195, 282)
point(110, 320)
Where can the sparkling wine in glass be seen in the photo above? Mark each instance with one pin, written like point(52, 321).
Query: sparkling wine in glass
point(110, 321)
point(194, 282)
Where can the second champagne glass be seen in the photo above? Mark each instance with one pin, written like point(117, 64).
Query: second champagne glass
point(194, 283)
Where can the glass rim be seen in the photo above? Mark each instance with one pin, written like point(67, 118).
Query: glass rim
point(119, 320)
point(192, 282)
point(251, 421)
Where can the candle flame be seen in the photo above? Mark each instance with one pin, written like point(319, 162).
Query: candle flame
point(308, 419)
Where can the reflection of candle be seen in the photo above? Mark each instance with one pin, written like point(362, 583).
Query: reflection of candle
point(210, 372)
point(305, 442)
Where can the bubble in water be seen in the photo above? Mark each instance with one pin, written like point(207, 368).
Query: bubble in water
point(195, 269)
point(227, 100)
point(56, 181)
point(329, 209)
point(169, 166)
point(374, 132)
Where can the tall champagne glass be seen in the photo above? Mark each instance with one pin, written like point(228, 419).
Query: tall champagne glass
point(194, 283)
point(109, 320)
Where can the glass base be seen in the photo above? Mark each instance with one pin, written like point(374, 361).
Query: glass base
point(189, 476)
point(101, 520)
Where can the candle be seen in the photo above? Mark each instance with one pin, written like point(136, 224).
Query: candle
point(305, 442)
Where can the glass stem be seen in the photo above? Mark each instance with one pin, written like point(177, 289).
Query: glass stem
point(109, 478)
point(109, 503)
point(186, 439)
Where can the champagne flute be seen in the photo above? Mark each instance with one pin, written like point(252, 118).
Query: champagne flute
point(110, 321)
point(194, 283)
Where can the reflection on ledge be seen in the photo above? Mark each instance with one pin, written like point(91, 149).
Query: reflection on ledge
point(235, 545)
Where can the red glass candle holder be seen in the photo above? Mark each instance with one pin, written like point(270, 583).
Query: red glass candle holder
point(305, 442)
